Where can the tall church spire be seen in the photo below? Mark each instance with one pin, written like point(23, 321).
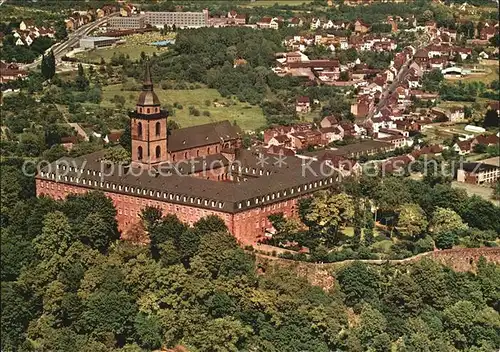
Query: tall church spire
point(147, 96)
point(148, 82)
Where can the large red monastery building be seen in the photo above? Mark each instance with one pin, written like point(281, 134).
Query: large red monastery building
point(191, 172)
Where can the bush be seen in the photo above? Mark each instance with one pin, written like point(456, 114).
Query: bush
point(206, 113)
point(425, 244)
point(166, 85)
point(193, 111)
point(445, 240)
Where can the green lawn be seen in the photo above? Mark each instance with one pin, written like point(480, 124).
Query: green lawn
point(383, 246)
point(133, 50)
point(247, 116)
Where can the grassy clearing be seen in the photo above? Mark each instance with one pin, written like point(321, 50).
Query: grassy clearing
point(247, 116)
point(268, 3)
point(484, 192)
point(134, 45)
point(491, 74)
point(383, 246)
point(134, 51)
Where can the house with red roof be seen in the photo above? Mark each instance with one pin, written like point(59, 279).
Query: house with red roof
point(329, 121)
point(361, 27)
point(11, 72)
point(303, 105)
point(268, 23)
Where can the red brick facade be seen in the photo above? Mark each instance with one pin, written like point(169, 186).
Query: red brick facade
point(199, 155)
point(247, 226)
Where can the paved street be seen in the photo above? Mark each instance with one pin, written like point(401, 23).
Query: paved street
point(420, 43)
point(60, 49)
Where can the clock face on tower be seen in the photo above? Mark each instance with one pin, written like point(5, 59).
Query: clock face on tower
point(148, 126)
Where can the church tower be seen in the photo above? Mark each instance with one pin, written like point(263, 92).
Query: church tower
point(148, 126)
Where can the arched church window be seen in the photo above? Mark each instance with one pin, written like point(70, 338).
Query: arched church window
point(139, 129)
point(158, 151)
point(158, 128)
point(139, 152)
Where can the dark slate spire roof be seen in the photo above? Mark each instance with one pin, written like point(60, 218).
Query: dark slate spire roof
point(148, 82)
point(148, 97)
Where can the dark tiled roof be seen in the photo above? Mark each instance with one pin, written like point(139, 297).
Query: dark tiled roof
point(190, 166)
point(478, 167)
point(201, 135)
point(229, 197)
point(362, 147)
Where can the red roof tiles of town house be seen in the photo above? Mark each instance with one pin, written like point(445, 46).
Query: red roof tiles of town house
point(465, 145)
point(330, 130)
point(282, 138)
point(391, 138)
point(315, 64)
point(303, 100)
point(403, 123)
point(114, 137)
point(397, 162)
point(487, 140)
point(421, 53)
point(463, 50)
point(332, 119)
point(361, 23)
point(266, 20)
point(494, 105)
point(391, 131)
point(489, 30)
point(69, 139)
point(303, 126)
point(400, 90)
point(338, 161)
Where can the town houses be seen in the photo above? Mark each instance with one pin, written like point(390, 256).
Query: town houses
point(28, 32)
point(11, 72)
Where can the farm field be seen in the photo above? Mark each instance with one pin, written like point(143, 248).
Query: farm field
point(248, 117)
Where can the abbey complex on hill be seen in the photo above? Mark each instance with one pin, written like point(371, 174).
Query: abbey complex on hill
point(190, 172)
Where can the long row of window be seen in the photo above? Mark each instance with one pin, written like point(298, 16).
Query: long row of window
point(284, 193)
point(180, 197)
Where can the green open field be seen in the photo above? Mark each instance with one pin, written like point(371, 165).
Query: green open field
point(133, 46)
point(133, 50)
point(267, 3)
point(247, 116)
